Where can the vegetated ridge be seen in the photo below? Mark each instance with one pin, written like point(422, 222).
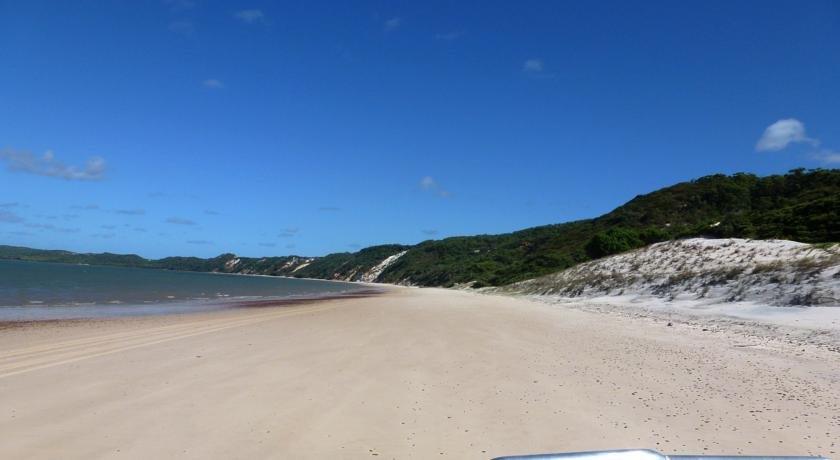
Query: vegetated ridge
point(802, 205)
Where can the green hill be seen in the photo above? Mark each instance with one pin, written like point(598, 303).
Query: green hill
point(800, 205)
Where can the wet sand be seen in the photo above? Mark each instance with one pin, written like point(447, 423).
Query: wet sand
point(15, 316)
point(413, 373)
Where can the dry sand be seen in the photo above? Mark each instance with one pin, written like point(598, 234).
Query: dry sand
point(414, 373)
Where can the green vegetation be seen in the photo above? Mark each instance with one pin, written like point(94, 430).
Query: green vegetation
point(801, 205)
point(40, 255)
point(621, 239)
point(349, 265)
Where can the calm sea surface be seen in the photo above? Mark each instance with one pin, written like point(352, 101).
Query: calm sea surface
point(37, 290)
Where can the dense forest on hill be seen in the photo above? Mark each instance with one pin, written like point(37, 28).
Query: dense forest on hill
point(802, 205)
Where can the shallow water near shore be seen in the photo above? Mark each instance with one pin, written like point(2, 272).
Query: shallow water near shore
point(37, 291)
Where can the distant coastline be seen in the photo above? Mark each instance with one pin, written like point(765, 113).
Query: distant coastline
point(37, 291)
point(802, 205)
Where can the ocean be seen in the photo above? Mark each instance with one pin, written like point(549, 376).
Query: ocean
point(40, 290)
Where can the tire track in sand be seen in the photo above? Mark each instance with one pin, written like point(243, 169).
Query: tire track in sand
point(28, 359)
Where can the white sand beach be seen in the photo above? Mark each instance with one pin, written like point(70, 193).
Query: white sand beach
point(413, 373)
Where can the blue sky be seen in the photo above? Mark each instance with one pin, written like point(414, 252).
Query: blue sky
point(272, 128)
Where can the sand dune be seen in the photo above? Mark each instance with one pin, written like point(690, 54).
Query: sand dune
point(414, 373)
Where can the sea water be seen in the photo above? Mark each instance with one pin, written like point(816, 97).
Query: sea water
point(40, 290)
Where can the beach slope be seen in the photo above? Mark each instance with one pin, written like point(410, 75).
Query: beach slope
point(412, 373)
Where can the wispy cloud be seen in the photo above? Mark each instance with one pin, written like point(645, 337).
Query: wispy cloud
point(180, 5)
point(86, 207)
point(251, 16)
point(185, 28)
point(48, 165)
point(783, 133)
point(289, 232)
point(108, 227)
point(267, 245)
point(430, 232)
point(51, 227)
point(533, 65)
point(828, 156)
point(449, 36)
point(199, 242)
point(429, 184)
point(329, 209)
point(103, 235)
point(8, 217)
point(211, 212)
point(213, 83)
point(130, 212)
point(179, 221)
point(536, 68)
point(12, 204)
point(20, 233)
point(392, 24)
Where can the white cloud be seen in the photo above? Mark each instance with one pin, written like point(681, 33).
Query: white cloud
point(783, 133)
point(213, 83)
point(250, 16)
point(430, 184)
point(828, 156)
point(392, 24)
point(533, 66)
point(47, 165)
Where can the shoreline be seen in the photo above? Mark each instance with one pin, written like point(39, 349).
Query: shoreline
point(748, 319)
point(177, 307)
point(765, 322)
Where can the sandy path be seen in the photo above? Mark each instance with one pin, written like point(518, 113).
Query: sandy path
point(411, 374)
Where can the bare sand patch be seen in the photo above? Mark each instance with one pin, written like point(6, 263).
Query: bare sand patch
point(414, 373)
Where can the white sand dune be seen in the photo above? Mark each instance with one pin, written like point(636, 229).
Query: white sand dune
point(705, 271)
